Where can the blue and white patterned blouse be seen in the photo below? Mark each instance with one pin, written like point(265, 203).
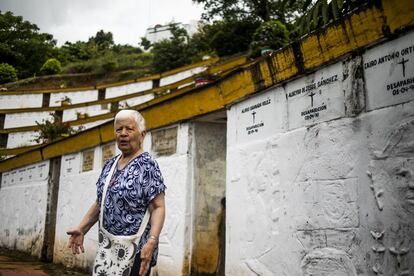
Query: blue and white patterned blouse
point(128, 196)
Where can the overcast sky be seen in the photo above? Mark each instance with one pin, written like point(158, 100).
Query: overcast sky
point(72, 20)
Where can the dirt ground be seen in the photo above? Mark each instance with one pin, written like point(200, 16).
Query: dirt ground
point(13, 263)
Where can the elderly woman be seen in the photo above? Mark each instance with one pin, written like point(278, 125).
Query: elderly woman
point(131, 185)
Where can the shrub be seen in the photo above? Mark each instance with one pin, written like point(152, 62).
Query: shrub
point(81, 67)
point(54, 129)
point(51, 67)
point(7, 73)
point(271, 35)
point(109, 65)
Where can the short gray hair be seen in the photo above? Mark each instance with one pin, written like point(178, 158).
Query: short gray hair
point(129, 113)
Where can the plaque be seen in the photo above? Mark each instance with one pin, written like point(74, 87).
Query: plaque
point(108, 151)
point(316, 98)
point(389, 73)
point(70, 164)
point(164, 141)
point(261, 116)
point(87, 160)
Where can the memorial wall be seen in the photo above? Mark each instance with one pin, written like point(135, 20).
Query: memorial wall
point(323, 170)
point(23, 206)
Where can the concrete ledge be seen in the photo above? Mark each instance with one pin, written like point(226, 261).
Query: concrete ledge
point(360, 29)
point(75, 143)
point(398, 14)
point(21, 160)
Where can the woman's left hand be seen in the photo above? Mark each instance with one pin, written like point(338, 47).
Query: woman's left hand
point(146, 254)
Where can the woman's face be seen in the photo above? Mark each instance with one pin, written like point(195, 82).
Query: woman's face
point(128, 136)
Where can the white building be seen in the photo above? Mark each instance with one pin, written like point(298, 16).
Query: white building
point(160, 32)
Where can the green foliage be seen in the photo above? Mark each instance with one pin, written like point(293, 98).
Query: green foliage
point(103, 40)
point(271, 35)
point(50, 130)
point(109, 65)
point(320, 13)
point(74, 52)
point(172, 53)
point(100, 55)
point(109, 62)
point(23, 46)
point(263, 10)
point(226, 37)
point(125, 49)
point(51, 67)
point(7, 73)
point(145, 43)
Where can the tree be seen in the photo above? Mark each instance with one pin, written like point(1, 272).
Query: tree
point(264, 10)
point(320, 12)
point(145, 43)
point(7, 73)
point(271, 35)
point(22, 45)
point(73, 52)
point(51, 67)
point(50, 130)
point(172, 53)
point(103, 40)
point(227, 37)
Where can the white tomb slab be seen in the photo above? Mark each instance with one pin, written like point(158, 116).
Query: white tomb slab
point(116, 91)
point(261, 116)
point(70, 164)
point(75, 97)
point(316, 98)
point(389, 73)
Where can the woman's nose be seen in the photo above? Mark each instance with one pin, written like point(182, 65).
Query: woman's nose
point(124, 132)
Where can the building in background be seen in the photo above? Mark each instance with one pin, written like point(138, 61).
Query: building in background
point(160, 32)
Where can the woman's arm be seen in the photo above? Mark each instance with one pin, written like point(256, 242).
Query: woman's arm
point(157, 210)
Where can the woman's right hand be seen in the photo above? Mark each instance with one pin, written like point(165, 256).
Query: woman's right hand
point(76, 241)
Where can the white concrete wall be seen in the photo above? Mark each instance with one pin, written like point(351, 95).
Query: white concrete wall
point(94, 124)
point(26, 138)
point(77, 191)
point(116, 91)
point(13, 120)
point(181, 75)
point(75, 97)
point(23, 199)
point(20, 101)
point(21, 139)
point(313, 187)
point(92, 110)
point(137, 100)
point(177, 172)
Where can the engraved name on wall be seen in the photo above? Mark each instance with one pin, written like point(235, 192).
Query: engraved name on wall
point(316, 98)
point(389, 73)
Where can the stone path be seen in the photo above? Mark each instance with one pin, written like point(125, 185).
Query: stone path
point(18, 264)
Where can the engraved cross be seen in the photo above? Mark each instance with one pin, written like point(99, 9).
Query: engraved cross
point(403, 62)
point(311, 95)
point(254, 115)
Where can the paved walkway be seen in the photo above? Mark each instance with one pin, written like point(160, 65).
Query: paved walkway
point(19, 264)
